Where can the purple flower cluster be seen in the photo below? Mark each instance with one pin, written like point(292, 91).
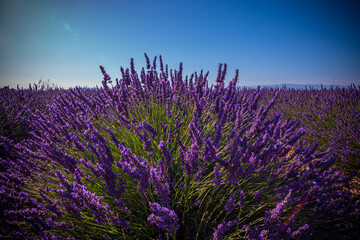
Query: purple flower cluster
point(163, 218)
point(157, 153)
point(275, 228)
point(166, 153)
point(230, 204)
point(159, 178)
point(223, 228)
point(135, 167)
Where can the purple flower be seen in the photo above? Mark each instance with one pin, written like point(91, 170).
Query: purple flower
point(137, 168)
point(150, 129)
point(148, 66)
point(241, 200)
point(166, 153)
point(159, 179)
point(164, 218)
point(230, 204)
point(217, 174)
point(209, 152)
point(191, 161)
point(195, 134)
point(144, 138)
point(223, 228)
point(168, 109)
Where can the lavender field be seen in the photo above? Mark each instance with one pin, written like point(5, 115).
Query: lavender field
point(158, 155)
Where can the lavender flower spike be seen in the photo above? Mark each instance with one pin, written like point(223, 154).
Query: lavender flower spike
point(164, 218)
point(165, 152)
point(223, 228)
point(230, 204)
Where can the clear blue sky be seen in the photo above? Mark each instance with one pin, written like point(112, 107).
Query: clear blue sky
point(270, 42)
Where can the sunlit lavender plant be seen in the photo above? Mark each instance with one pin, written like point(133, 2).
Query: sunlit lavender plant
point(152, 155)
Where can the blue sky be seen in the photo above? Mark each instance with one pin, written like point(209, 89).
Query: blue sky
point(270, 42)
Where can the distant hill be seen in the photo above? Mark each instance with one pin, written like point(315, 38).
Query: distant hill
point(298, 86)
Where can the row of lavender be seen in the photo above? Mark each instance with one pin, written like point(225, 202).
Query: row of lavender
point(156, 155)
point(16, 105)
point(330, 117)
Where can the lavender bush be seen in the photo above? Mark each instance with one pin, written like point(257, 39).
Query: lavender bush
point(159, 156)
